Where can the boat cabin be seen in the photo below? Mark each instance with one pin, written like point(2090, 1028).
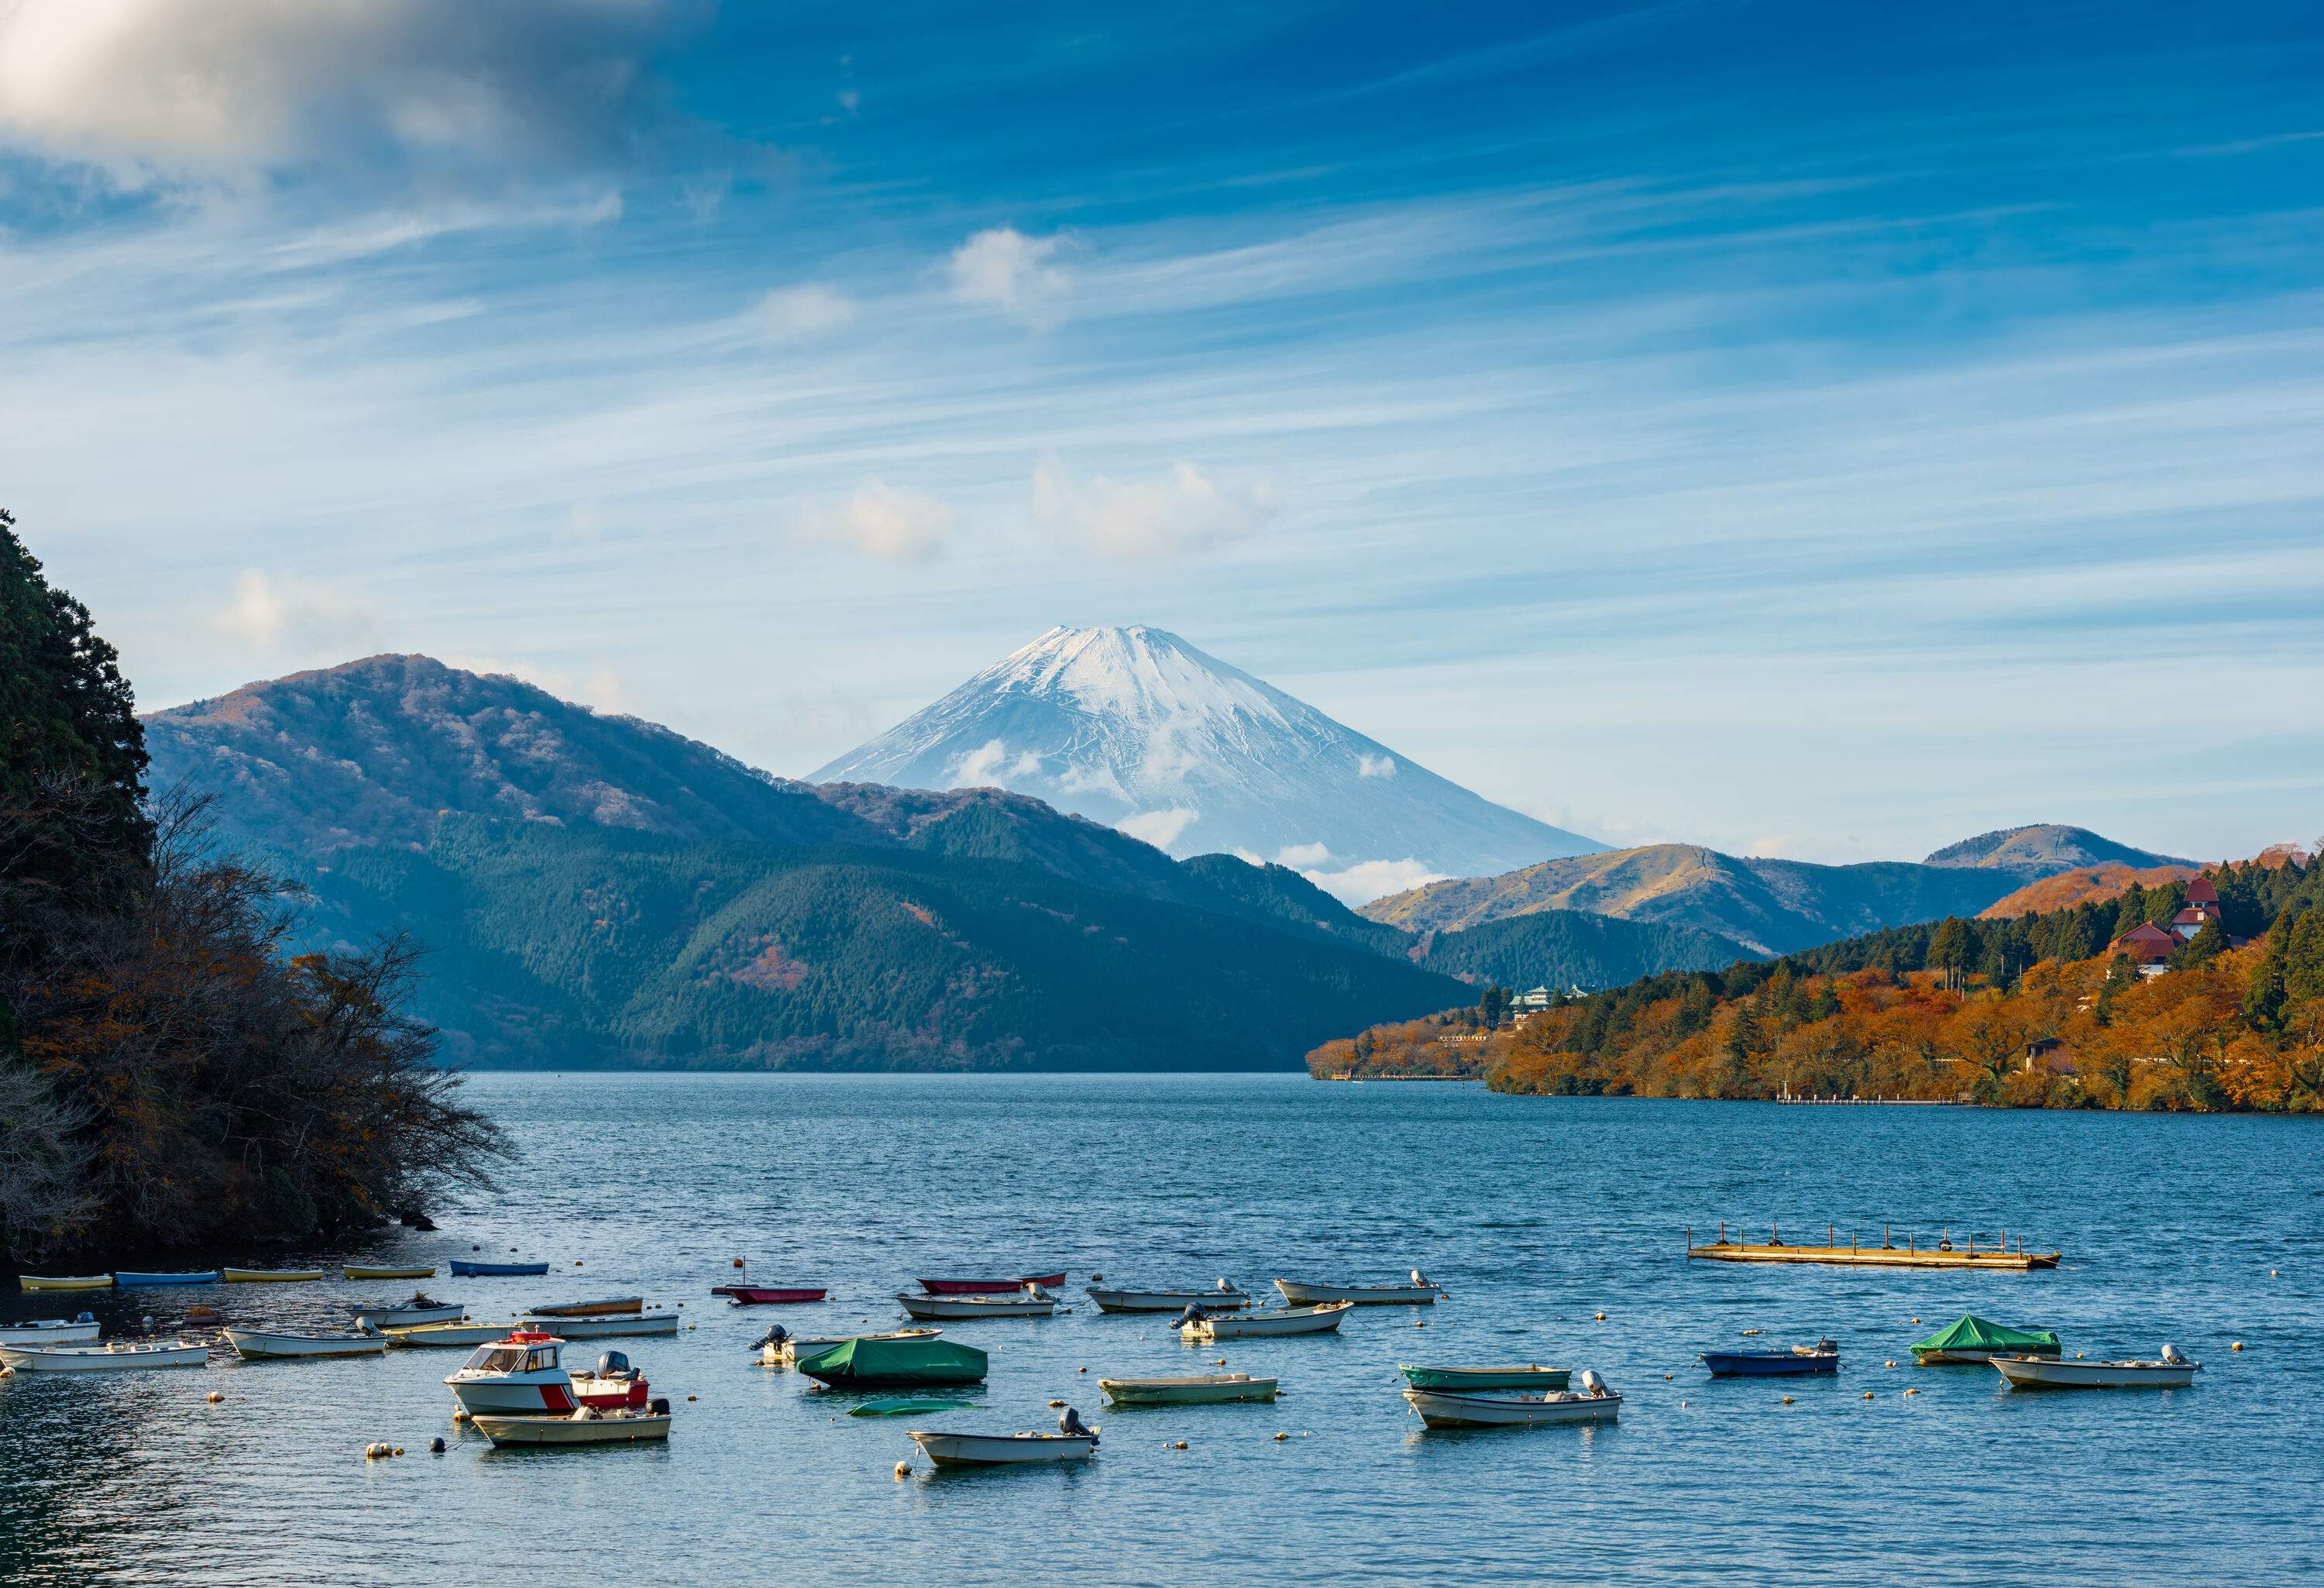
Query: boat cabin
point(518, 1353)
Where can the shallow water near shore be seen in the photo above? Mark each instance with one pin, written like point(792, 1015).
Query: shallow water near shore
point(1536, 1213)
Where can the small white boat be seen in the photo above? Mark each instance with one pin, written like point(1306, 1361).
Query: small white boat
point(101, 1359)
point(260, 1344)
point(1447, 1409)
point(604, 1327)
point(1192, 1390)
point(2170, 1371)
point(50, 1331)
point(404, 1315)
point(1418, 1293)
point(1027, 1304)
point(447, 1334)
point(1224, 1297)
point(792, 1347)
point(1290, 1320)
point(1000, 1450)
point(586, 1427)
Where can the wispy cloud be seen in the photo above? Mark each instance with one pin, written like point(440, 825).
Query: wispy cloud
point(794, 314)
point(881, 522)
point(1002, 269)
point(1135, 520)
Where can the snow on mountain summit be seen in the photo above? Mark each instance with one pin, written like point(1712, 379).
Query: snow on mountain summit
point(1135, 727)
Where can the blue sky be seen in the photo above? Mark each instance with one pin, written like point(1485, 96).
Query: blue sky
point(1826, 432)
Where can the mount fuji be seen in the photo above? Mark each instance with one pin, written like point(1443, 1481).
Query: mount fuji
point(1134, 727)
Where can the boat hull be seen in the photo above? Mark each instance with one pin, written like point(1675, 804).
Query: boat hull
point(990, 1286)
point(1311, 1320)
point(64, 1281)
point(462, 1268)
point(426, 1273)
point(1441, 1409)
point(407, 1317)
point(138, 1281)
point(1003, 1450)
point(1768, 1364)
point(269, 1276)
point(768, 1295)
point(604, 1328)
point(1167, 1301)
point(260, 1344)
point(439, 1335)
point(1470, 1379)
point(48, 1332)
point(519, 1397)
point(799, 1345)
point(613, 1307)
point(1295, 1294)
point(963, 1307)
point(1201, 1390)
point(1878, 1257)
point(2029, 1372)
point(98, 1359)
point(566, 1430)
point(1977, 1355)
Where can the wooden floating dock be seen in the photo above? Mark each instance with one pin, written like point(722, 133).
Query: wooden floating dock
point(1886, 1255)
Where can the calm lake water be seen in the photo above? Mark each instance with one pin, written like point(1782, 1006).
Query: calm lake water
point(1535, 1213)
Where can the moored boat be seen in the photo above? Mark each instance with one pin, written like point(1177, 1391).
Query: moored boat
point(463, 1268)
point(258, 1344)
point(269, 1276)
point(1527, 1376)
point(442, 1335)
point(1192, 1389)
point(612, 1306)
point(100, 1358)
point(2169, 1370)
point(1001, 1450)
point(64, 1281)
point(1290, 1320)
point(782, 1346)
point(986, 1287)
point(769, 1295)
point(1973, 1339)
point(1822, 1357)
point(1222, 1297)
point(614, 1386)
point(1594, 1402)
point(519, 1375)
point(584, 1426)
point(50, 1331)
point(404, 1315)
point(606, 1327)
point(1028, 1305)
point(1418, 1293)
point(130, 1279)
point(363, 1273)
point(894, 1364)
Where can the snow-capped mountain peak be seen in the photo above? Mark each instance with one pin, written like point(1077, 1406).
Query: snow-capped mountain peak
point(1136, 727)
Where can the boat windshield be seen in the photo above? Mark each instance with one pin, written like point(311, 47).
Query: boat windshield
point(495, 1359)
point(542, 1357)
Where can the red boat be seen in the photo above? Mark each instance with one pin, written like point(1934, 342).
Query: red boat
point(615, 1386)
point(990, 1286)
point(767, 1295)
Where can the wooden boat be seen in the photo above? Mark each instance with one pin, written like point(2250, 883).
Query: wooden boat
point(269, 1276)
point(1291, 1320)
point(404, 1315)
point(441, 1334)
point(1420, 1293)
point(100, 1358)
point(604, 1328)
point(354, 1273)
point(50, 1332)
point(1525, 1377)
point(1973, 1339)
point(1194, 1390)
point(1944, 1254)
point(794, 1346)
point(1000, 1450)
point(518, 1375)
point(130, 1280)
point(1225, 1297)
point(65, 1281)
point(963, 1307)
point(991, 1286)
point(614, 1307)
point(1822, 1357)
point(584, 1426)
point(462, 1268)
point(768, 1295)
point(2170, 1371)
point(1443, 1409)
point(259, 1344)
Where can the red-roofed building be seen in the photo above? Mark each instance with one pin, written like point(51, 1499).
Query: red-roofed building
point(2147, 945)
point(2202, 905)
point(2200, 892)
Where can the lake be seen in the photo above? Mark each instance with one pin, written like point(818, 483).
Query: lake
point(1535, 1214)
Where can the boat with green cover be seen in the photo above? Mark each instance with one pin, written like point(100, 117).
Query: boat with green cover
point(1977, 1339)
point(868, 1363)
point(1529, 1376)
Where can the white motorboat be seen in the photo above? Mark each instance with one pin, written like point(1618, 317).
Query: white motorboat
point(1192, 1389)
point(101, 1359)
point(999, 1450)
point(2170, 1371)
point(1594, 1402)
point(1418, 1293)
point(404, 1315)
point(792, 1347)
point(586, 1427)
point(1223, 1296)
point(1028, 1303)
point(520, 1376)
point(1289, 1320)
point(604, 1327)
point(50, 1331)
point(259, 1344)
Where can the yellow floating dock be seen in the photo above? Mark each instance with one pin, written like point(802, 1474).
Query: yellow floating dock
point(1888, 1254)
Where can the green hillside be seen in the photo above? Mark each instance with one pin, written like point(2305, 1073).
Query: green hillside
point(1565, 948)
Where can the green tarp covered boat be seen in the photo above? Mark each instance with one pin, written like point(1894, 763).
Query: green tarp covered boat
point(869, 1363)
point(1974, 1339)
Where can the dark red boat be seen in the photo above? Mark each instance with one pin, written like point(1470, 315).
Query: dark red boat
point(990, 1286)
point(767, 1295)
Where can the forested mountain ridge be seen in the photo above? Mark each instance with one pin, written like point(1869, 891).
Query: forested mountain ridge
point(2048, 845)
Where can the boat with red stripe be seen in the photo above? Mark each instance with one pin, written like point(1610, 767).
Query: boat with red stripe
point(519, 1375)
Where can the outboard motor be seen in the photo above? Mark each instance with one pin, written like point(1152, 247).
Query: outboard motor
point(1069, 1421)
point(773, 1337)
point(2171, 1353)
point(1416, 1279)
point(613, 1365)
point(1591, 1384)
point(1193, 1315)
point(1827, 1348)
point(1225, 1288)
point(86, 1317)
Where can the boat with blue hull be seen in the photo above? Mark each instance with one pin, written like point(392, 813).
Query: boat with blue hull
point(1822, 1357)
point(125, 1279)
point(464, 1268)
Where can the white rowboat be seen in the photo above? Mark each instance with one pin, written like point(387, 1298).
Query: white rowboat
point(1224, 1299)
point(1295, 1320)
point(260, 1344)
point(996, 1450)
point(1196, 1389)
point(48, 1332)
point(404, 1315)
point(2169, 1372)
point(1441, 1409)
point(1295, 1294)
point(600, 1328)
point(101, 1359)
point(957, 1308)
point(582, 1428)
point(448, 1334)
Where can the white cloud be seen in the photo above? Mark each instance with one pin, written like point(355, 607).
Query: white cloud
point(794, 314)
point(976, 768)
point(1159, 827)
point(1182, 512)
point(1302, 857)
point(1368, 880)
point(600, 689)
point(1091, 779)
point(882, 521)
point(1002, 269)
point(297, 615)
point(1375, 766)
point(234, 86)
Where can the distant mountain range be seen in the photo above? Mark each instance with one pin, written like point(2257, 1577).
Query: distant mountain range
point(2048, 845)
point(1135, 728)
